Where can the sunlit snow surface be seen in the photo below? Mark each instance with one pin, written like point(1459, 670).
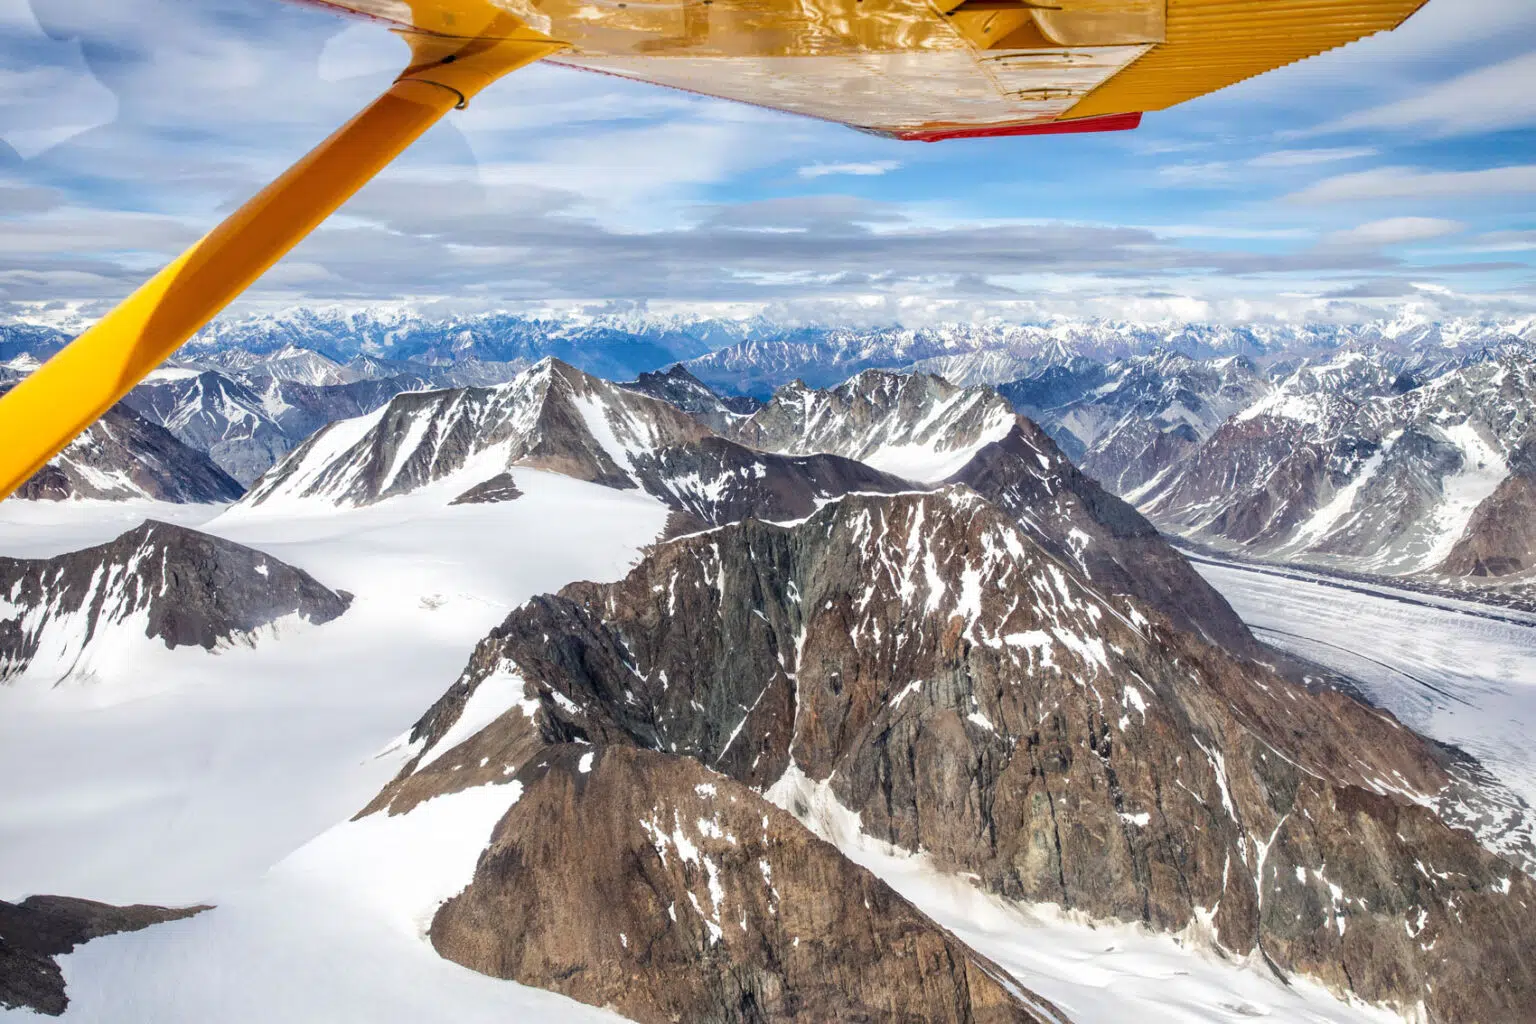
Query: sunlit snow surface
point(242, 757)
point(42, 529)
point(1461, 673)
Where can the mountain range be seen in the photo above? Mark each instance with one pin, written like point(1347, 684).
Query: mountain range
point(1354, 448)
point(754, 355)
point(895, 602)
point(1347, 462)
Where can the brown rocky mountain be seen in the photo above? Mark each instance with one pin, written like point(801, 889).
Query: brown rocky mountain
point(40, 928)
point(929, 663)
point(682, 895)
point(1103, 537)
point(123, 456)
point(157, 582)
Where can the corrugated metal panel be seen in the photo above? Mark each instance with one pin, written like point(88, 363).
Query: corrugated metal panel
point(1212, 44)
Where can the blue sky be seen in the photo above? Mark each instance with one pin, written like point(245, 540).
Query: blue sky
point(1396, 174)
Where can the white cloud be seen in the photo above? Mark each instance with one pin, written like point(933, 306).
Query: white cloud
point(1505, 241)
point(1412, 183)
point(361, 49)
point(1230, 232)
point(1489, 99)
point(1395, 231)
point(56, 97)
point(1205, 174)
point(1230, 173)
point(1310, 157)
point(870, 169)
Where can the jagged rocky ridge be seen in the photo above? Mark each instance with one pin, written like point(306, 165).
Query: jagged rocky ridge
point(122, 456)
point(69, 617)
point(678, 387)
point(926, 661)
point(936, 431)
point(554, 417)
point(1125, 421)
point(34, 932)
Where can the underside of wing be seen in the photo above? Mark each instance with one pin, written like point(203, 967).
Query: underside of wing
point(928, 70)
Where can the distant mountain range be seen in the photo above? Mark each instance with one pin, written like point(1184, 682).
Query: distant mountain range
point(1348, 461)
point(755, 355)
point(1367, 448)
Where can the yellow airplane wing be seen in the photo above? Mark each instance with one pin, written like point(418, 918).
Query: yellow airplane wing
point(924, 70)
point(912, 69)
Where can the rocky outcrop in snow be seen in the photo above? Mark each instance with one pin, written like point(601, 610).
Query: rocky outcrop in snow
point(39, 929)
point(678, 387)
point(82, 615)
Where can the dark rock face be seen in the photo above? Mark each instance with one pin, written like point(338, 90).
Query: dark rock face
point(680, 388)
point(191, 589)
point(217, 415)
point(1136, 450)
point(40, 928)
point(1255, 480)
point(1400, 493)
point(682, 895)
point(123, 456)
point(1014, 464)
point(969, 694)
point(1107, 540)
point(1054, 387)
point(716, 481)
